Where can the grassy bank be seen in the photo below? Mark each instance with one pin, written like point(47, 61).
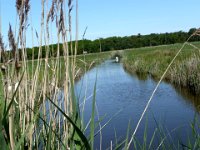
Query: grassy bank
point(83, 64)
point(153, 61)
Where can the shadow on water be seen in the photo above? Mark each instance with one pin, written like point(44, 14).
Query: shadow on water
point(191, 99)
point(138, 75)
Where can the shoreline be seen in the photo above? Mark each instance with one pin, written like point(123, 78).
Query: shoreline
point(184, 72)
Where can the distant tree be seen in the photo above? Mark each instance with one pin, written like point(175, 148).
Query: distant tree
point(191, 31)
point(116, 43)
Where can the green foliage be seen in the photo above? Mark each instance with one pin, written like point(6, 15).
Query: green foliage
point(113, 43)
point(92, 124)
point(76, 128)
point(154, 60)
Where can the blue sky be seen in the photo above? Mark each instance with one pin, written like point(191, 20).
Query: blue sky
point(106, 18)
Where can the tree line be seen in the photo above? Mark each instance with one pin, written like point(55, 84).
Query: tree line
point(114, 43)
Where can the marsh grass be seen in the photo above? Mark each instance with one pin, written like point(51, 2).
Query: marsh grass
point(161, 78)
point(153, 61)
point(32, 116)
point(27, 122)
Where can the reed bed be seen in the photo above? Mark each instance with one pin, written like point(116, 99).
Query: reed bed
point(153, 61)
point(161, 78)
point(33, 116)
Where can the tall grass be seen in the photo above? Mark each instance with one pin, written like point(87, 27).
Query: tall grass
point(161, 78)
point(153, 61)
point(33, 116)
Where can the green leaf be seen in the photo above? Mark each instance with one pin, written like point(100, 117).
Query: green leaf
point(47, 125)
point(127, 136)
point(79, 132)
point(92, 124)
point(13, 97)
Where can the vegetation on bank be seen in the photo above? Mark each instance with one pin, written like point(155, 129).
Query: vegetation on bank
point(153, 61)
point(32, 113)
point(83, 64)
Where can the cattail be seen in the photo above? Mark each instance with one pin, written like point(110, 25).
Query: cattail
point(51, 13)
point(27, 7)
point(12, 41)
point(70, 9)
point(61, 21)
point(36, 34)
point(18, 5)
point(23, 17)
point(69, 3)
point(13, 47)
point(23, 7)
point(70, 6)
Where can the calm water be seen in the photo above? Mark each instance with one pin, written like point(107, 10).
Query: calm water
point(119, 91)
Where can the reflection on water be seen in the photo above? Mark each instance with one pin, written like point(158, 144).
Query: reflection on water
point(139, 76)
point(118, 90)
point(191, 99)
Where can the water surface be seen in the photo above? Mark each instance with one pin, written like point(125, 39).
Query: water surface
point(118, 91)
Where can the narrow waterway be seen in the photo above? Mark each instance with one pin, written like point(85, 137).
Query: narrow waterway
point(124, 94)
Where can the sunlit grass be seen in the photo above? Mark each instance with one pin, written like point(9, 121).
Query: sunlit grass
point(153, 61)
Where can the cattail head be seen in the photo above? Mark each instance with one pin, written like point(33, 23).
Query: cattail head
point(61, 20)
point(11, 41)
point(69, 3)
point(70, 6)
point(13, 47)
point(70, 9)
point(27, 7)
point(23, 7)
point(36, 34)
point(18, 5)
point(51, 13)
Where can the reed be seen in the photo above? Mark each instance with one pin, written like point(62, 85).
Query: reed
point(32, 114)
point(153, 61)
point(162, 77)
